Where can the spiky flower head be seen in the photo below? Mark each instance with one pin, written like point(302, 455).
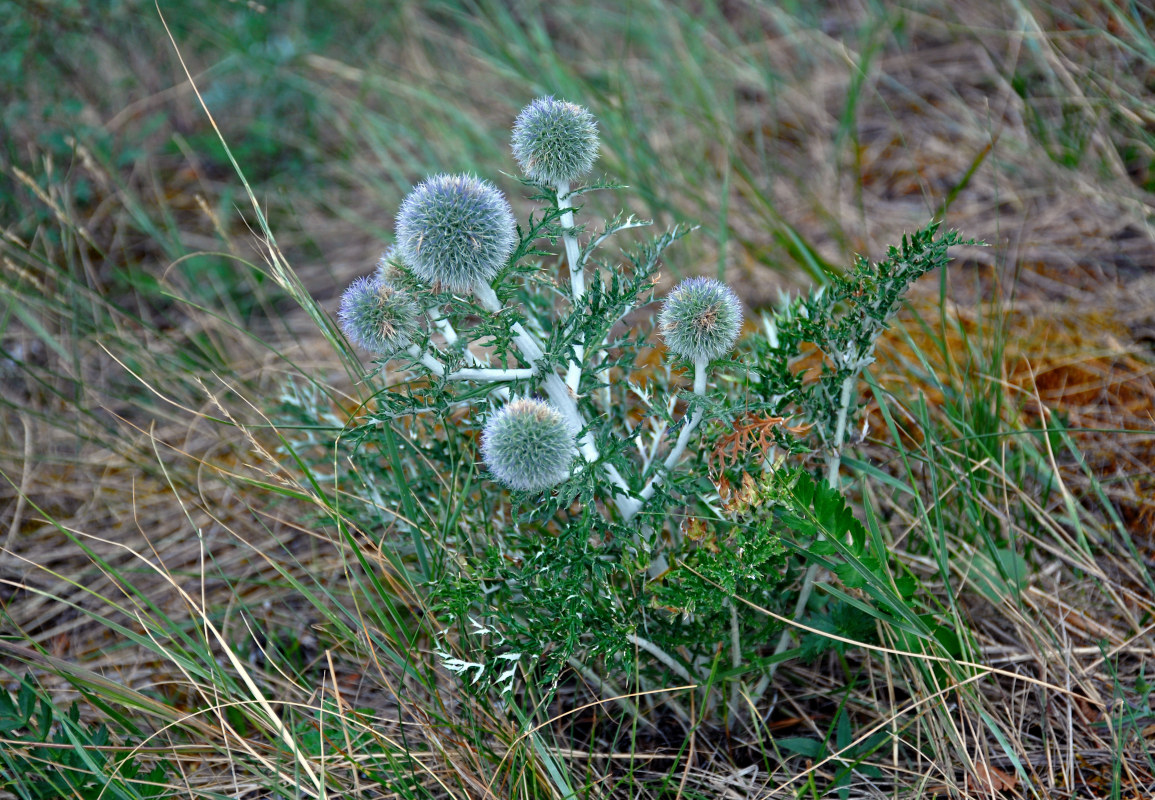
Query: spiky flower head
point(555, 141)
point(455, 230)
point(527, 445)
point(389, 264)
point(378, 315)
point(700, 319)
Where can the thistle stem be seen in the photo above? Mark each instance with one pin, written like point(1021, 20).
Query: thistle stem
point(833, 461)
point(446, 327)
point(577, 278)
point(451, 338)
point(559, 394)
point(429, 360)
point(492, 374)
point(479, 374)
point(634, 504)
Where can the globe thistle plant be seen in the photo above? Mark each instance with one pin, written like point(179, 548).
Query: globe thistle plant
point(700, 319)
point(455, 230)
point(379, 316)
point(564, 576)
point(527, 445)
point(555, 142)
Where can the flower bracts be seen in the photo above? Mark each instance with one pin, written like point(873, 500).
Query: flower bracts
point(527, 446)
point(701, 319)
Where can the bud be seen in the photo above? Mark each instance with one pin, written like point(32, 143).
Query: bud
point(554, 141)
point(527, 446)
point(455, 230)
point(700, 319)
point(389, 265)
point(378, 316)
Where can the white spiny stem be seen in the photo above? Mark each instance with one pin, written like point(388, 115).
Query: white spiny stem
point(428, 359)
point(445, 326)
point(450, 334)
point(531, 349)
point(655, 443)
point(480, 374)
point(833, 461)
point(634, 504)
point(577, 277)
point(559, 394)
point(492, 374)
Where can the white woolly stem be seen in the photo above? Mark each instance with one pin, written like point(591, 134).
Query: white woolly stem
point(577, 277)
point(559, 394)
point(429, 360)
point(679, 446)
point(492, 374)
point(446, 328)
point(451, 338)
point(480, 374)
point(833, 462)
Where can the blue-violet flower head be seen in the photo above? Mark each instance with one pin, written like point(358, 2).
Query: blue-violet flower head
point(378, 315)
point(388, 265)
point(700, 319)
point(527, 445)
point(455, 230)
point(555, 141)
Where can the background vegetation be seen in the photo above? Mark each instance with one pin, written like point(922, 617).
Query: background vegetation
point(184, 612)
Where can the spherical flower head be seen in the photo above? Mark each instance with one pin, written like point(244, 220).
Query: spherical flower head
point(378, 315)
point(700, 319)
point(554, 141)
point(527, 445)
point(455, 230)
point(389, 264)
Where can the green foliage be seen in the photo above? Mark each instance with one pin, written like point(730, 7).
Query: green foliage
point(740, 556)
point(47, 755)
point(843, 320)
point(319, 106)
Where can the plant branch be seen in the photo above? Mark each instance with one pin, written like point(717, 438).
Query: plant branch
point(635, 504)
point(577, 277)
point(559, 394)
point(833, 461)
